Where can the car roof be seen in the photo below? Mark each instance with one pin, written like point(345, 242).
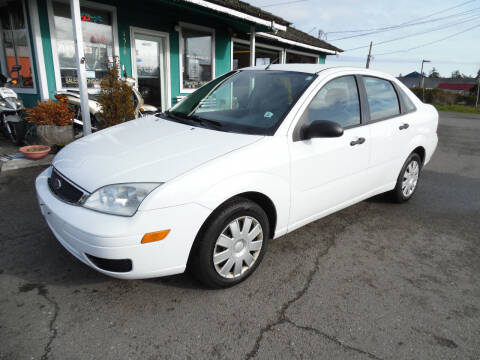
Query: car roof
point(319, 68)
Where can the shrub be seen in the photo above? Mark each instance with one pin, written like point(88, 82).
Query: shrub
point(50, 113)
point(115, 99)
point(435, 96)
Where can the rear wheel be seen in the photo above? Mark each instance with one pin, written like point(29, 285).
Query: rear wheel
point(231, 245)
point(407, 180)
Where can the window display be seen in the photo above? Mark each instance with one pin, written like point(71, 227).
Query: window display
point(15, 44)
point(97, 44)
point(197, 58)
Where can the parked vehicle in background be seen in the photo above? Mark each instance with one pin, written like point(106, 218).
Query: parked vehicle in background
point(73, 98)
point(250, 156)
point(11, 112)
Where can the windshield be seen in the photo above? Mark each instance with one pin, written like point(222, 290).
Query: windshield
point(250, 101)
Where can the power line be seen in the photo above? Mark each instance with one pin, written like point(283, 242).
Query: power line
point(442, 27)
point(282, 3)
point(444, 10)
point(416, 19)
point(429, 43)
point(395, 27)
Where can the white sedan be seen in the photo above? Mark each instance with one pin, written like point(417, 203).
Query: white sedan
point(249, 157)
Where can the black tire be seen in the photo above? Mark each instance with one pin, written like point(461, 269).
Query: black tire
point(201, 264)
point(397, 193)
point(17, 132)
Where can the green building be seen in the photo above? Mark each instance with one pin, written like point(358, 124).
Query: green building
point(171, 47)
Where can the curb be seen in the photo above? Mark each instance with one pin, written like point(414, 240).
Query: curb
point(22, 163)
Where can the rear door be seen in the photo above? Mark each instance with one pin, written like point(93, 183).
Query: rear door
point(326, 173)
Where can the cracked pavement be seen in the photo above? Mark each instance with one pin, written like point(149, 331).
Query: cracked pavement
point(374, 281)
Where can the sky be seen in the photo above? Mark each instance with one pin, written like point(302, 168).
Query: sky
point(460, 52)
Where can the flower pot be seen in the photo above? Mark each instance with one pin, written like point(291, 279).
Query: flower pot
point(55, 135)
point(35, 152)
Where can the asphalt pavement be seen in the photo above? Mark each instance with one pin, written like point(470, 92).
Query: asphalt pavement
point(374, 281)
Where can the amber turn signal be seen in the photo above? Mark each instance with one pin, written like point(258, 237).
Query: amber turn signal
point(155, 236)
point(14, 82)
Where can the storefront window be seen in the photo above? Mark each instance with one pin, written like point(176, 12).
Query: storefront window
point(97, 44)
point(294, 58)
point(241, 56)
point(15, 43)
point(263, 56)
point(197, 58)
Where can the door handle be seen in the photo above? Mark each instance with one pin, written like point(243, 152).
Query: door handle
point(359, 141)
point(404, 126)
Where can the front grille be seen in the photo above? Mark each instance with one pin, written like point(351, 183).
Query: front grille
point(64, 189)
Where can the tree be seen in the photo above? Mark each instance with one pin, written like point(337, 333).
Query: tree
point(478, 74)
point(434, 73)
point(457, 75)
point(473, 90)
point(115, 98)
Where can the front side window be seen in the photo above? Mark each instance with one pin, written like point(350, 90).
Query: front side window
point(337, 101)
point(197, 48)
point(16, 44)
point(382, 98)
point(97, 44)
point(250, 102)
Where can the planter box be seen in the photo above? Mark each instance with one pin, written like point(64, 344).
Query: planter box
point(55, 135)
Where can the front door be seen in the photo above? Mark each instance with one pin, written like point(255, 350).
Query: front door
point(149, 68)
point(328, 173)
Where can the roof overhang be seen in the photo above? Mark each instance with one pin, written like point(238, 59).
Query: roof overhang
point(238, 14)
point(296, 43)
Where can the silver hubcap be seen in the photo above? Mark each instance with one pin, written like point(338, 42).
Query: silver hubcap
point(410, 178)
point(238, 246)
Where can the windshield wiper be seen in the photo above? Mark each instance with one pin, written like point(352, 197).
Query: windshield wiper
point(201, 120)
point(175, 116)
point(195, 118)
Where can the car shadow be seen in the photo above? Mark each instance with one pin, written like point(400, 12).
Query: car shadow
point(30, 252)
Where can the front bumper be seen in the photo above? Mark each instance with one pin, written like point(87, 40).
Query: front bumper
point(82, 231)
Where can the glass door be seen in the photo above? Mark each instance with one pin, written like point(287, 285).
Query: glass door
point(149, 68)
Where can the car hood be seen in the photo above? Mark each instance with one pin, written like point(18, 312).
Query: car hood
point(149, 149)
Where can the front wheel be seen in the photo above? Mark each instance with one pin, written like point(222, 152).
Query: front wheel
point(231, 245)
point(16, 132)
point(407, 180)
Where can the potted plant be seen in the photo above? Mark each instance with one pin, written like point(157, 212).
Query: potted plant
point(54, 122)
point(35, 152)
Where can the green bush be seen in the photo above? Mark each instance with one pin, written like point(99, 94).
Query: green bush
point(439, 96)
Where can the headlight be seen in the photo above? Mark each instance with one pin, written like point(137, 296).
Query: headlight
point(120, 199)
point(19, 102)
point(3, 103)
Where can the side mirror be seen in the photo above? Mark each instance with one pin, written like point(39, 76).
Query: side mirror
point(321, 129)
point(16, 68)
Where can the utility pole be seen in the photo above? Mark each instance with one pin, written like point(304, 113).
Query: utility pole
point(478, 92)
point(422, 79)
point(369, 55)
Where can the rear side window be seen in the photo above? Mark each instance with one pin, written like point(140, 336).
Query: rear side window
point(382, 98)
point(337, 101)
point(409, 106)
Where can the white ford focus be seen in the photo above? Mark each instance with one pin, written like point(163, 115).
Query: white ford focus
point(249, 157)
